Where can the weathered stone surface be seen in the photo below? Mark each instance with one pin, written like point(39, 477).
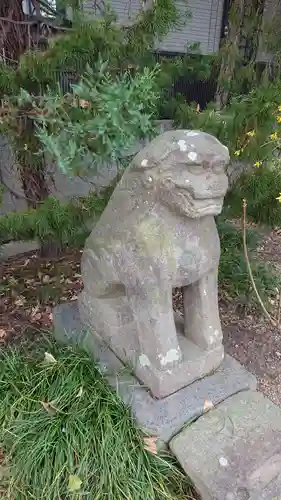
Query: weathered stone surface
point(158, 232)
point(159, 417)
point(234, 451)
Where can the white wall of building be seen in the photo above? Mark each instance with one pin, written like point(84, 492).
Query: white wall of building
point(204, 27)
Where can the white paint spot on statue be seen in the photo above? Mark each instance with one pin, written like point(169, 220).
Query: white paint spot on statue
point(144, 162)
point(191, 134)
point(192, 156)
point(144, 360)
point(216, 333)
point(187, 181)
point(150, 179)
point(223, 461)
point(204, 293)
point(182, 144)
point(171, 356)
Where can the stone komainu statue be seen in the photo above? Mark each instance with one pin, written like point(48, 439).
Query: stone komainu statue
point(158, 232)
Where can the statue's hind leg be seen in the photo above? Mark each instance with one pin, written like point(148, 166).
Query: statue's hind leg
point(104, 306)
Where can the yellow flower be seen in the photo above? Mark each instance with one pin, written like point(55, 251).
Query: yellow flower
point(257, 164)
point(279, 108)
point(251, 133)
point(279, 198)
point(274, 136)
point(278, 118)
point(237, 153)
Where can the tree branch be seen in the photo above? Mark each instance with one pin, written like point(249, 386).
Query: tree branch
point(41, 19)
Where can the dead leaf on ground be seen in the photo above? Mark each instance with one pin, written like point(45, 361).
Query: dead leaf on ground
point(2, 333)
point(208, 405)
point(20, 301)
point(49, 358)
point(35, 310)
point(74, 483)
point(150, 444)
point(50, 408)
point(80, 392)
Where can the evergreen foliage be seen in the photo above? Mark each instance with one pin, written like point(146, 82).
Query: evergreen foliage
point(99, 121)
point(65, 223)
point(120, 99)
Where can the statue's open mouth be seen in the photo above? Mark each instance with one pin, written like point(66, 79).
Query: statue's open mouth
point(204, 205)
point(210, 208)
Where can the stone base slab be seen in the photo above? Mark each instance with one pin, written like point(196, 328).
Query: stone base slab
point(233, 452)
point(158, 417)
point(195, 364)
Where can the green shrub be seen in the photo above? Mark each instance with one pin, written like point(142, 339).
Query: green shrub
point(245, 126)
point(61, 419)
point(260, 189)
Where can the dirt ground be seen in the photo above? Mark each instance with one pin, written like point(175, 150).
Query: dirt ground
point(31, 286)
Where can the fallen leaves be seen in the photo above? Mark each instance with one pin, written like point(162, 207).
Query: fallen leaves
point(150, 444)
point(49, 358)
point(74, 483)
point(80, 392)
point(49, 407)
point(2, 333)
point(46, 279)
point(20, 301)
point(208, 405)
point(31, 286)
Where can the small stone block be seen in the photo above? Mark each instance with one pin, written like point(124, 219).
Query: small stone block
point(233, 452)
point(159, 417)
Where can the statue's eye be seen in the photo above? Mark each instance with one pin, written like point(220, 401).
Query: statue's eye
point(195, 169)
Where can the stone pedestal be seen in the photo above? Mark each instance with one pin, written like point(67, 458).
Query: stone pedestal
point(164, 417)
point(234, 451)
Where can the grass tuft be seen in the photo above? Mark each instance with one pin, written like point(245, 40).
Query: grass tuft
point(61, 419)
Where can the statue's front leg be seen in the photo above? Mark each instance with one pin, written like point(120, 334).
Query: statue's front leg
point(201, 313)
point(151, 305)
